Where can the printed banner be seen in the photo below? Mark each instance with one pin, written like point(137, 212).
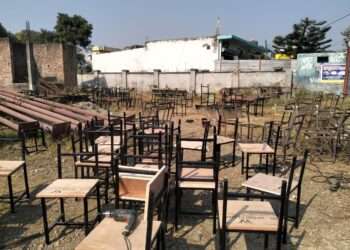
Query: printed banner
point(333, 73)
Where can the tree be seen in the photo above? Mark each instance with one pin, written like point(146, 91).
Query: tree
point(42, 36)
point(73, 29)
point(346, 34)
point(308, 36)
point(48, 36)
point(3, 31)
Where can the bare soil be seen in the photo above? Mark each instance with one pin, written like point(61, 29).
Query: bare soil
point(324, 223)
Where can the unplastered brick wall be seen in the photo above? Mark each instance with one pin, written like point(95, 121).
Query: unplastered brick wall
point(53, 61)
point(49, 61)
point(6, 65)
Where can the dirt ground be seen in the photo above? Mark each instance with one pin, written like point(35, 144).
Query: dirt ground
point(324, 223)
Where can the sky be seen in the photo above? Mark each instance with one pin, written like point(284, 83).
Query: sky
point(119, 23)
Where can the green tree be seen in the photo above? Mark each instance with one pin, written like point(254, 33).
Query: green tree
point(308, 36)
point(3, 31)
point(42, 36)
point(73, 29)
point(48, 36)
point(346, 34)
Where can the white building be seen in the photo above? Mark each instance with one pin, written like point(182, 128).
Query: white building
point(176, 55)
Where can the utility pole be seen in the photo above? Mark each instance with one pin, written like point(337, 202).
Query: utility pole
point(347, 70)
point(29, 53)
point(218, 24)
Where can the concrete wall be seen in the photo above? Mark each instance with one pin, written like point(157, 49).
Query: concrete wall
point(308, 72)
point(6, 65)
point(252, 65)
point(173, 56)
point(187, 80)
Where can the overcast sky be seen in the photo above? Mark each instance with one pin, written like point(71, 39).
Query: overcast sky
point(120, 23)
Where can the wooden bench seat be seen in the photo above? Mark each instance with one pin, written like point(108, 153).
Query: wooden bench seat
point(197, 173)
point(106, 140)
point(267, 183)
point(249, 216)
point(68, 188)
point(108, 236)
point(191, 145)
point(154, 131)
point(140, 167)
point(223, 139)
point(9, 167)
point(256, 148)
point(135, 186)
point(103, 161)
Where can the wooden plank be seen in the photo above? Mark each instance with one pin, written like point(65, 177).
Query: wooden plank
point(68, 188)
point(249, 215)
point(256, 148)
point(8, 167)
point(266, 183)
point(108, 236)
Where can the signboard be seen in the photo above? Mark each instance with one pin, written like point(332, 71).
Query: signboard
point(333, 73)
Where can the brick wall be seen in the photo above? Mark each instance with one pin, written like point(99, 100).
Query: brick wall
point(56, 62)
point(48, 59)
point(6, 66)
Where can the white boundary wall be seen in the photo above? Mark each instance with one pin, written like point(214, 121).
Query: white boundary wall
point(190, 80)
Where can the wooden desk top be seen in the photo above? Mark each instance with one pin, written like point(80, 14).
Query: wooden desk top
point(249, 215)
point(8, 167)
point(108, 236)
point(192, 145)
point(266, 183)
point(68, 188)
point(256, 148)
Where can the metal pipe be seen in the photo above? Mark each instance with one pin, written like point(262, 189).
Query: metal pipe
point(89, 113)
point(64, 112)
point(24, 118)
point(34, 114)
point(9, 124)
point(21, 103)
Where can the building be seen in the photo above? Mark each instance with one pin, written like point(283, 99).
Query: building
point(178, 55)
point(321, 71)
point(52, 62)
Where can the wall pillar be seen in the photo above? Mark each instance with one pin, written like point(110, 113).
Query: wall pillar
point(125, 77)
point(193, 80)
point(97, 78)
point(156, 81)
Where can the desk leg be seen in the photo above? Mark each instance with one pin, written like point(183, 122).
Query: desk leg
point(46, 228)
point(242, 165)
point(12, 201)
point(86, 214)
point(62, 210)
point(98, 201)
point(247, 167)
point(267, 164)
point(26, 180)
